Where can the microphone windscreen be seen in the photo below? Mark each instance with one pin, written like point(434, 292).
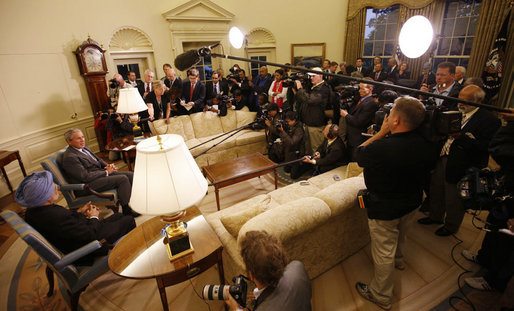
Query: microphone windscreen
point(187, 60)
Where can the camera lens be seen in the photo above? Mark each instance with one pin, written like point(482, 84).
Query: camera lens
point(214, 292)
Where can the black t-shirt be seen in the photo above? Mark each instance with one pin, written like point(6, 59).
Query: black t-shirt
point(395, 169)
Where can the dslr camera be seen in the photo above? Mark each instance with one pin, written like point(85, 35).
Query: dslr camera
point(113, 83)
point(281, 123)
point(218, 292)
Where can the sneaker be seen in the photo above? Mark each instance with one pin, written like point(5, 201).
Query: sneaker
point(478, 283)
point(364, 291)
point(470, 256)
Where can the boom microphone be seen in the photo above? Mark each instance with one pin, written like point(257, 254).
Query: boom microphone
point(192, 57)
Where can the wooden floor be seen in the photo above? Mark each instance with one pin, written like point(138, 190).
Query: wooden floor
point(429, 278)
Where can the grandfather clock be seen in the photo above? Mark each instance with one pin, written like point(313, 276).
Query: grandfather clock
point(91, 60)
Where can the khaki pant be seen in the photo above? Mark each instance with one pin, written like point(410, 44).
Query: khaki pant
point(387, 241)
point(314, 138)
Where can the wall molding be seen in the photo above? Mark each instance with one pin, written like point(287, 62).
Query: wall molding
point(38, 145)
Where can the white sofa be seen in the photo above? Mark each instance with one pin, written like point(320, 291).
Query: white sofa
point(319, 224)
point(202, 126)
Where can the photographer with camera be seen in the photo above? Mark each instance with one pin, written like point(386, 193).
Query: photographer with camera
point(115, 84)
point(395, 161)
point(119, 126)
point(497, 251)
point(461, 151)
point(244, 84)
point(445, 85)
point(280, 286)
point(312, 104)
point(292, 137)
point(331, 153)
point(359, 117)
point(262, 112)
point(273, 118)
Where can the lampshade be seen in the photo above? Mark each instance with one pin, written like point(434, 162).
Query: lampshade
point(166, 177)
point(236, 37)
point(130, 101)
point(415, 36)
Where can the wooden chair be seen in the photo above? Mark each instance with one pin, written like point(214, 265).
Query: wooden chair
point(75, 278)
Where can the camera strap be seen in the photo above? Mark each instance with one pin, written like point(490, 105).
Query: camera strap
point(265, 294)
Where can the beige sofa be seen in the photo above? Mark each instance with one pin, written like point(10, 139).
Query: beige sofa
point(319, 224)
point(202, 126)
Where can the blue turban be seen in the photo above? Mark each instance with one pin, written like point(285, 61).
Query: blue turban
point(35, 190)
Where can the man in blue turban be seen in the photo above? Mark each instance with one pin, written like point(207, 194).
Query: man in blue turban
point(67, 229)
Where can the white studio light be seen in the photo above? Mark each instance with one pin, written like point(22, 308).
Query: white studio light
point(236, 37)
point(416, 36)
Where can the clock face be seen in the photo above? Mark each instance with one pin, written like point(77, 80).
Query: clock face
point(93, 60)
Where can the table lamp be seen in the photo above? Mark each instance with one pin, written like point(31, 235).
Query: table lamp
point(131, 102)
point(166, 181)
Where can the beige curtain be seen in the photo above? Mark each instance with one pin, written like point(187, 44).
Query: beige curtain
point(354, 6)
point(492, 14)
point(354, 41)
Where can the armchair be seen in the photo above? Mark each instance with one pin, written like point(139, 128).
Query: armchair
point(53, 165)
point(75, 278)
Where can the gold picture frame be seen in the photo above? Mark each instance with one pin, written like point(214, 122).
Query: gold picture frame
point(310, 54)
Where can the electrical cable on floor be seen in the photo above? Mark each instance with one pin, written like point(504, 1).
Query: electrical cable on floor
point(465, 299)
point(194, 289)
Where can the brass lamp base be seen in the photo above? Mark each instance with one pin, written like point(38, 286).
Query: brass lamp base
point(137, 132)
point(177, 239)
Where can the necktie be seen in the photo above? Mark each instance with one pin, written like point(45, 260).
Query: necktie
point(376, 76)
point(148, 87)
point(191, 92)
point(84, 151)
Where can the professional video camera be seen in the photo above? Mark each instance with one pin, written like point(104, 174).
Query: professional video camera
point(113, 83)
point(290, 80)
point(380, 116)
point(234, 74)
point(482, 189)
point(347, 94)
point(223, 100)
point(441, 121)
point(218, 292)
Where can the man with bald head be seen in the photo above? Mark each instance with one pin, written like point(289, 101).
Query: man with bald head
point(261, 84)
point(461, 151)
point(114, 92)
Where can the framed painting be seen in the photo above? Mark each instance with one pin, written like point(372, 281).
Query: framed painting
point(308, 54)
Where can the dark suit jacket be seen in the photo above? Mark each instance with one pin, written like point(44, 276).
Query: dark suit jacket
point(357, 121)
point(393, 75)
point(141, 88)
point(454, 92)
point(466, 152)
point(381, 76)
point(209, 89)
point(81, 168)
point(170, 83)
point(331, 156)
point(69, 230)
point(198, 95)
point(365, 71)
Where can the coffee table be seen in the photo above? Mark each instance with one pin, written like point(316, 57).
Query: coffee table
point(141, 254)
point(226, 173)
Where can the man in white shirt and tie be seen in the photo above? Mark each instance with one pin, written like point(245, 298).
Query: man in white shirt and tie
point(82, 166)
point(146, 87)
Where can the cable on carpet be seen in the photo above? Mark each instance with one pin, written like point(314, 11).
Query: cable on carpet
point(464, 298)
point(194, 289)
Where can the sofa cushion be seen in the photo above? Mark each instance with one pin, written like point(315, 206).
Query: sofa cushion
point(247, 137)
point(244, 117)
point(293, 192)
point(326, 179)
point(342, 194)
point(206, 124)
point(228, 142)
point(235, 221)
point(229, 122)
point(187, 125)
point(353, 170)
point(290, 219)
point(159, 127)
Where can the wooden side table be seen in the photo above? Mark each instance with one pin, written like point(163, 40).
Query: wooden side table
point(142, 254)
point(7, 157)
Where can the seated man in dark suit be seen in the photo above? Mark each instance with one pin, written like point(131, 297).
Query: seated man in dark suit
point(82, 166)
point(280, 286)
point(193, 94)
point(331, 153)
point(66, 229)
point(215, 87)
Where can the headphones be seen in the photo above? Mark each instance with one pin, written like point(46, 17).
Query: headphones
point(331, 134)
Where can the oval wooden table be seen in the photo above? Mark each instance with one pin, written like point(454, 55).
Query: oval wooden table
point(142, 254)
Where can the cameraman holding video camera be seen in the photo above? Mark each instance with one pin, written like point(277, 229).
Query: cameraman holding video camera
point(396, 161)
point(280, 286)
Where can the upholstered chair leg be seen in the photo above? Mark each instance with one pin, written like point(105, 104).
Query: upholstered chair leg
point(50, 277)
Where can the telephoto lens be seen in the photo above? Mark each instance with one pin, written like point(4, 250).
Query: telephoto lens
point(215, 292)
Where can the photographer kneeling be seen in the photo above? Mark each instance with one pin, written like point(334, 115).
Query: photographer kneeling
point(279, 286)
point(331, 153)
point(275, 152)
point(120, 126)
point(293, 142)
point(396, 162)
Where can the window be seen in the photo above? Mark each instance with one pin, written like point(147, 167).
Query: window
point(124, 69)
point(255, 66)
point(204, 68)
point(380, 35)
point(458, 31)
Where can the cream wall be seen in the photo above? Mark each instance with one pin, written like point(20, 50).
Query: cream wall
point(41, 89)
